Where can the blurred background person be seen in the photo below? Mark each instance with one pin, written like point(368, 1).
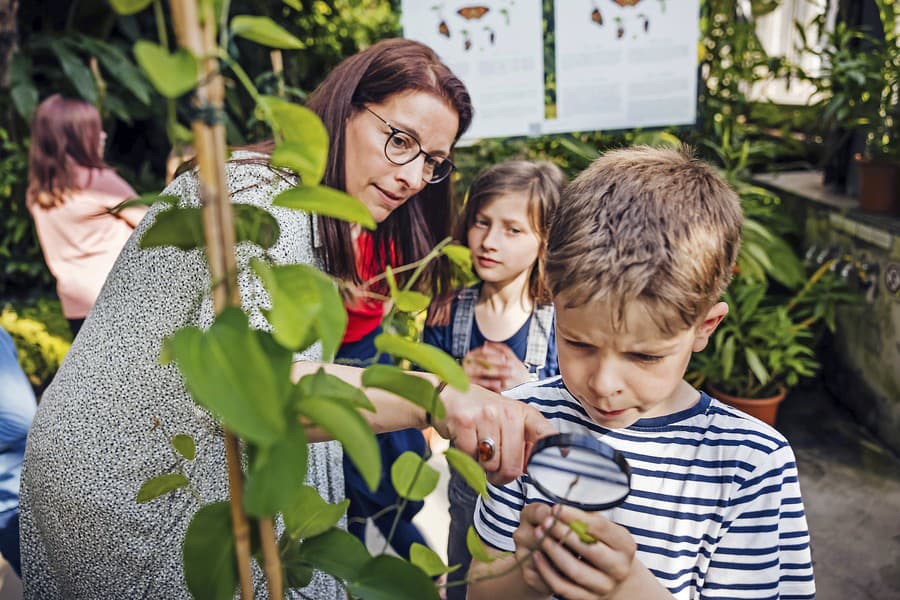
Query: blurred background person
point(70, 193)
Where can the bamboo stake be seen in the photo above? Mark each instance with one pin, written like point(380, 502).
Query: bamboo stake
point(209, 140)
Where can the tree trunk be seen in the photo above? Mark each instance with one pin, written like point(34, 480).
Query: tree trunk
point(9, 37)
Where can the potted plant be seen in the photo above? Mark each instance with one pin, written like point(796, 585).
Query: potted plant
point(857, 92)
point(767, 343)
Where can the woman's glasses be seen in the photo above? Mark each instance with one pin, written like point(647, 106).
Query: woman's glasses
point(402, 148)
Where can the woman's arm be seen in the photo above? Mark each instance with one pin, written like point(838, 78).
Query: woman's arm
point(471, 416)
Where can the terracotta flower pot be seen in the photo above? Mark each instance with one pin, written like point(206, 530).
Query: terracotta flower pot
point(764, 409)
point(879, 186)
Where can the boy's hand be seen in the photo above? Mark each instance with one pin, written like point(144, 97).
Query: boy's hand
point(570, 567)
point(494, 366)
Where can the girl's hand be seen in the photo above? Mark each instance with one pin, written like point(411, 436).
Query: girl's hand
point(578, 570)
point(495, 367)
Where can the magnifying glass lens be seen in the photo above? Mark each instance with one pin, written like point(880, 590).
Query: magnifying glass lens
point(580, 471)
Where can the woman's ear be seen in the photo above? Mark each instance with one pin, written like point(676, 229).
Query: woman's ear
point(708, 325)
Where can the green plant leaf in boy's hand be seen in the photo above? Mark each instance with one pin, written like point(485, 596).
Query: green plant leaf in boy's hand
point(580, 529)
point(427, 559)
point(470, 470)
point(476, 547)
point(159, 485)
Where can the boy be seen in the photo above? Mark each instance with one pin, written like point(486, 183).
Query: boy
point(641, 248)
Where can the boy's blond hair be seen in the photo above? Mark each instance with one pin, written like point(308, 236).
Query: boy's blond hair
point(649, 224)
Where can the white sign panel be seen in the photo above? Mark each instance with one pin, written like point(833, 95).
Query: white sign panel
point(497, 49)
point(625, 63)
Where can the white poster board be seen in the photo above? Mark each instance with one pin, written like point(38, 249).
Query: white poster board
point(619, 64)
point(625, 66)
point(498, 53)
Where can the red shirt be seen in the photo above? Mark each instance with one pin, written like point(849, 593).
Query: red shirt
point(364, 314)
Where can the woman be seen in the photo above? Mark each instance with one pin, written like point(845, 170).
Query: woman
point(70, 194)
point(103, 425)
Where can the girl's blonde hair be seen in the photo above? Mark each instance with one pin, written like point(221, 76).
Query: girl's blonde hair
point(543, 182)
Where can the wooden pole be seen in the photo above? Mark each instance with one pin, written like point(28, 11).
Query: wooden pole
point(197, 34)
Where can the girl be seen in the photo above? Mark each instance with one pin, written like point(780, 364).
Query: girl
point(70, 192)
point(502, 328)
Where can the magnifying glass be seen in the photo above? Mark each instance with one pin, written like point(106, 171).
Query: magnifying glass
point(579, 470)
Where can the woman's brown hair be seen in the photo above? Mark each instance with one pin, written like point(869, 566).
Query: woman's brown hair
point(65, 134)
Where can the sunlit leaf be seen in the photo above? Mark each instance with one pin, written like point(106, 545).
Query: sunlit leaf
point(392, 578)
point(428, 560)
point(328, 202)
point(129, 7)
point(302, 138)
point(470, 470)
point(323, 385)
point(309, 515)
point(476, 547)
point(265, 31)
point(144, 200)
point(335, 552)
point(171, 74)
point(302, 159)
point(276, 474)
point(411, 301)
point(228, 371)
point(159, 485)
point(184, 445)
point(208, 552)
point(428, 357)
point(348, 427)
point(412, 477)
point(415, 389)
point(306, 306)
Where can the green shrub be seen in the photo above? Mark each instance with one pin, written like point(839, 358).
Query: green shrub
point(42, 337)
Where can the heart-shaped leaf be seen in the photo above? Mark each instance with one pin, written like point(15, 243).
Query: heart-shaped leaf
point(171, 74)
point(470, 470)
point(427, 559)
point(184, 445)
point(309, 515)
point(412, 477)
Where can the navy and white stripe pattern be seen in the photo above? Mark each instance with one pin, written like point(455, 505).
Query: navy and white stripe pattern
point(715, 506)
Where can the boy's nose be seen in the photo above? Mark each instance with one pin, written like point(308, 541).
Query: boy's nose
point(605, 383)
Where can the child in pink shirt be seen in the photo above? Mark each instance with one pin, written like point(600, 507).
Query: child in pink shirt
point(70, 192)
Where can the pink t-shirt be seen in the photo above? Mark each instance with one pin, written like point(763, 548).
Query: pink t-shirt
point(81, 240)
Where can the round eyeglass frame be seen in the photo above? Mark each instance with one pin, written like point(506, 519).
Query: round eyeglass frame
point(396, 131)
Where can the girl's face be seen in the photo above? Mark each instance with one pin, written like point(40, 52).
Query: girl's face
point(503, 242)
point(369, 176)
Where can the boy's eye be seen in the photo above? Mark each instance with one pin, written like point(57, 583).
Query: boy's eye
point(645, 358)
point(574, 344)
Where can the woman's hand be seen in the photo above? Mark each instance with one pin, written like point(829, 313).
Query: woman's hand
point(511, 425)
point(569, 567)
point(494, 366)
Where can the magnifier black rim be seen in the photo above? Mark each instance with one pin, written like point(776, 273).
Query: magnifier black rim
point(587, 442)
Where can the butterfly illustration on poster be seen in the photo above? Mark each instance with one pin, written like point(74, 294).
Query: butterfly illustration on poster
point(624, 21)
point(477, 27)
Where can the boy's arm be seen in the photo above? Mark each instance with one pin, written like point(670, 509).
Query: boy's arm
point(764, 545)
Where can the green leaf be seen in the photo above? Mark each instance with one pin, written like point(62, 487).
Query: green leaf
point(144, 200)
point(276, 474)
point(159, 485)
point(309, 515)
point(184, 445)
point(759, 370)
point(179, 227)
point(428, 357)
point(427, 559)
point(171, 74)
point(391, 578)
point(581, 530)
point(306, 306)
point(727, 358)
point(208, 553)
point(461, 260)
point(120, 66)
point(322, 385)
point(327, 202)
point(470, 470)
point(77, 72)
point(255, 224)
point(348, 427)
point(25, 98)
point(411, 301)
point(302, 159)
point(265, 31)
point(412, 477)
point(297, 574)
point(129, 7)
point(335, 552)
point(227, 370)
point(415, 389)
point(476, 547)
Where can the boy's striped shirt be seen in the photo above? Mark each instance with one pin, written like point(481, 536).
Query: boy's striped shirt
point(715, 506)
